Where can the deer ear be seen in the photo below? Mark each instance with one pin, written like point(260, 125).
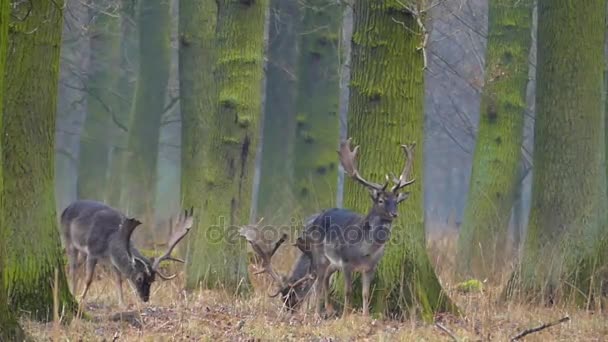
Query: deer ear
point(373, 193)
point(402, 196)
point(128, 226)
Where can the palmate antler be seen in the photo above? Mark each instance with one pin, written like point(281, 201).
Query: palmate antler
point(348, 161)
point(250, 233)
point(180, 230)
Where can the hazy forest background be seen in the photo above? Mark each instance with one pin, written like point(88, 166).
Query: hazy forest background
point(237, 108)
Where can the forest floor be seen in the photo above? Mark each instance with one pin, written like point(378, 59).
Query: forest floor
point(175, 315)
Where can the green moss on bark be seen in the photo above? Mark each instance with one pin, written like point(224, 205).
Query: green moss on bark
point(103, 103)
point(230, 166)
point(9, 329)
point(317, 130)
point(568, 213)
point(275, 198)
point(494, 178)
point(198, 100)
point(31, 76)
point(386, 109)
point(148, 107)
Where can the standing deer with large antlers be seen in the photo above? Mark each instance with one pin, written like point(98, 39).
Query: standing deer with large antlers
point(346, 241)
point(102, 233)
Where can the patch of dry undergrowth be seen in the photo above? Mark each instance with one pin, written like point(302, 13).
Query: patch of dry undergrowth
point(176, 315)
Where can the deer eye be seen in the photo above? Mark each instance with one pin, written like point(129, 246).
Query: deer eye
point(380, 200)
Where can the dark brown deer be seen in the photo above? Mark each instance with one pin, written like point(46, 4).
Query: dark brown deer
point(343, 240)
point(101, 233)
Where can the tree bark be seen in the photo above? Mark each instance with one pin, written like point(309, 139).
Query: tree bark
point(494, 178)
point(317, 102)
point(140, 169)
point(232, 144)
point(386, 109)
point(198, 99)
point(568, 213)
point(276, 198)
point(28, 142)
point(9, 328)
point(103, 75)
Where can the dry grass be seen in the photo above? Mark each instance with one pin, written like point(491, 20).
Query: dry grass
point(175, 315)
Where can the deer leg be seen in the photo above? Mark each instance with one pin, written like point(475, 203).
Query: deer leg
point(90, 271)
point(319, 287)
point(118, 278)
point(348, 290)
point(329, 309)
point(366, 281)
point(73, 255)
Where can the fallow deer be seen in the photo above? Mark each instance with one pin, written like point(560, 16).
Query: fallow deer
point(346, 241)
point(101, 233)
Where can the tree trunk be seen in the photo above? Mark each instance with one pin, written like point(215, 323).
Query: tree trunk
point(568, 213)
point(494, 177)
point(232, 144)
point(275, 199)
point(129, 64)
point(71, 103)
point(9, 328)
point(318, 97)
point(103, 75)
point(28, 143)
point(140, 169)
point(386, 109)
point(198, 99)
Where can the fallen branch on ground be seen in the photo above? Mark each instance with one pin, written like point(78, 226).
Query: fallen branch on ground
point(539, 328)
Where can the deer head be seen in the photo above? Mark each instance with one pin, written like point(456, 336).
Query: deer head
point(143, 271)
point(292, 288)
point(385, 200)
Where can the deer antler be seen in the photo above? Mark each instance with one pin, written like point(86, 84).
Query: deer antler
point(402, 181)
point(347, 159)
point(250, 234)
point(182, 227)
point(127, 227)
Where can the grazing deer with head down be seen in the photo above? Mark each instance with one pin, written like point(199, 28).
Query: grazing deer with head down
point(340, 239)
point(102, 233)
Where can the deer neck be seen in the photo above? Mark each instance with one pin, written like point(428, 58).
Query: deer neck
point(378, 228)
point(122, 259)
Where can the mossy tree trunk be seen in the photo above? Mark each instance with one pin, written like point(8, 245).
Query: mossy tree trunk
point(198, 99)
point(275, 199)
point(494, 178)
point(568, 213)
point(28, 141)
point(386, 110)
point(317, 103)
point(9, 328)
point(129, 64)
point(231, 146)
point(140, 168)
point(103, 75)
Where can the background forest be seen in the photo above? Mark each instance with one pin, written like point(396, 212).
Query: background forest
point(237, 108)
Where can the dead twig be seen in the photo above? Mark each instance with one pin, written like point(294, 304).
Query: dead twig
point(539, 328)
point(447, 331)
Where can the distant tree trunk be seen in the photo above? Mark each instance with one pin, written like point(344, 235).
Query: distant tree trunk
point(198, 100)
point(317, 102)
point(148, 107)
point(71, 102)
point(28, 143)
point(275, 199)
point(483, 234)
point(232, 143)
point(568, 214)
point(129, 64)
point(9, 328)
point(386, 109)
point(103, 74)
